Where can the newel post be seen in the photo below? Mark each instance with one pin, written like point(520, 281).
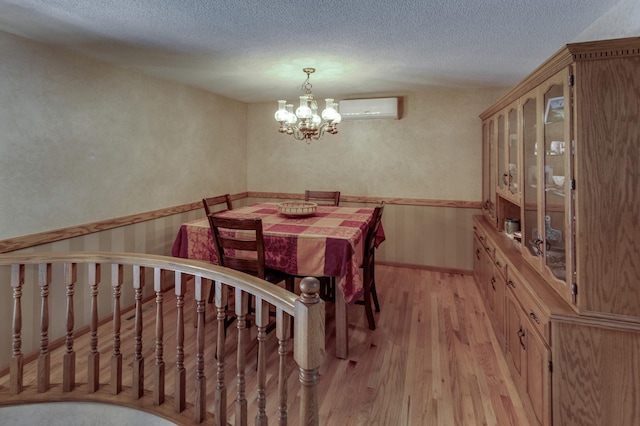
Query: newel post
point(309, 349)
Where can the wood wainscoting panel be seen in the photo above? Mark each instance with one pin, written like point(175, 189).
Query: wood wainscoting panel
point(438, 237)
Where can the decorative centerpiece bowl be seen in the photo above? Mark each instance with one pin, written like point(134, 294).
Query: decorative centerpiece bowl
point(298, 208)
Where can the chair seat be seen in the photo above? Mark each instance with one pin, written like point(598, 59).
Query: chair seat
point(274, 277)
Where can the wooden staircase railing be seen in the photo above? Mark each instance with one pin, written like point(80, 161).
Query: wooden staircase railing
point(308, 312)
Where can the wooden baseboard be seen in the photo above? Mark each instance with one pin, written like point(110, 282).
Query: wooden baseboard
point(452, 271)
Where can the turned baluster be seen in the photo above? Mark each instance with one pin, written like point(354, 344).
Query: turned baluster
point(93, 362)
point(241, 300)
point(116, 357)
point(16, 368)
point(283, 330)
point(221, 387)
point(179, 396)
point(44, 359)
point(201, 380)
point(262, 320)
point(137, 387)
point(158, 368)
point(69, 359)
point(309, 347)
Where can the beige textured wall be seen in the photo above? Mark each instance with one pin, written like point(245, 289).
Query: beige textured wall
point(84, 141)
point(432, 152)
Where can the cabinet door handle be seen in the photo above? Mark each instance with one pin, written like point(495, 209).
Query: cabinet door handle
point(521, 335)
point(511, 284)
point(533, 316)
point(478, 253)
point(493, 283)
point(498, 264)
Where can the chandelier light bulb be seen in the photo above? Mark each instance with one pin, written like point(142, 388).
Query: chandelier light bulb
point(338, 117)
point(329, 113)
point(292, 118)
point(281, 114)
point(303, 112)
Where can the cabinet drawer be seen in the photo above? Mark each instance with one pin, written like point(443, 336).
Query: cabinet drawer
point(533, 312)
point(501, 262)
point(486, 243)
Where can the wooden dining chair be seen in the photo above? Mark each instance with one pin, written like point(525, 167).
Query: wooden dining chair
point(329, 198)
point(210, 203)
point(368, 267)
point(243, 248)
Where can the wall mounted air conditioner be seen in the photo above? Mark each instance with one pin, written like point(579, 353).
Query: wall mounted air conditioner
point(366, 109)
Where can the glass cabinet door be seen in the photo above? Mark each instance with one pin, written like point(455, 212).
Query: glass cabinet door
point(502, 159)
point(488, 169)
point(492, 167)
point(556, 147)
point(530, 203)
point(512, 154)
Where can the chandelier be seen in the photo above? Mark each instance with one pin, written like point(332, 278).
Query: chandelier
point(305, 124)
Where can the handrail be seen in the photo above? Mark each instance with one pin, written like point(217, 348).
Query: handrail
point(274, 295)
point(308, 311)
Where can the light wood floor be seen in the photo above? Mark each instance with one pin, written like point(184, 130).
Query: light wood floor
point(432, 360)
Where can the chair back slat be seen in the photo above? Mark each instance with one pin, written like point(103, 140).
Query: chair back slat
point(331, 198)
point(240, 243)
point(372, 232)
point(210, 204)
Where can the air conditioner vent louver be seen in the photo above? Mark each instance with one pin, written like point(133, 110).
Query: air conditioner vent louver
point(367, 109)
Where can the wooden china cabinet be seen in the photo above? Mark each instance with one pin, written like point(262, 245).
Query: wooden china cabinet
point(561, 153)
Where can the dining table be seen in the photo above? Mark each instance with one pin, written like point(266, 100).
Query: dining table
point(326, 243)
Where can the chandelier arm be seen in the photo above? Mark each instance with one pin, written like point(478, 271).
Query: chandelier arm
point(321, 130)
point(297, 133)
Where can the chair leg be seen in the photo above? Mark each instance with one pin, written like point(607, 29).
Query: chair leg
point(290, 284)
point(327, 288)
point(368, 310)
point(332, 289)
point(374, 293)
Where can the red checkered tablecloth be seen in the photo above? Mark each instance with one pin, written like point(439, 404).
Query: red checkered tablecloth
point(329, 243)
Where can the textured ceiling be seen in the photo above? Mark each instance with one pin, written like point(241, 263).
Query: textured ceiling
point(254, 50)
